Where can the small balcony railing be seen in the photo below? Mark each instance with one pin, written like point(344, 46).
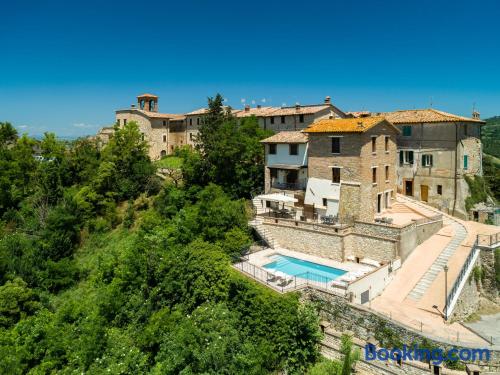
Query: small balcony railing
point(301, 185)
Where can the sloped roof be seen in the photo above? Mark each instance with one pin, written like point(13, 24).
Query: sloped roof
point(346, 125)
point(147, 96)
point(429, 115)
point(287, 137)
point(203, 111)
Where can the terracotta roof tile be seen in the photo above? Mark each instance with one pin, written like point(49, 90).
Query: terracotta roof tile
point(414, 116)
point(345, 125)
point(287, 137)
point(147, 96)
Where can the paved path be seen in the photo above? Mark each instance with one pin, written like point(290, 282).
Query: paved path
point(488, 327)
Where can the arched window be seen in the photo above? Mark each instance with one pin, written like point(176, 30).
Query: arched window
point(142, 103)
point(152, 105)
point(163, 153)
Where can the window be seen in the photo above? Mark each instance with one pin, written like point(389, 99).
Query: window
point(386, 144)
point(282, 119)
point(440, 189)
point(405, 157)
point(274, 172)
point(427, 160)
point(335, 145)
point(190, 121)
point(387, 173)
point(407, 131)
point(272, 120)
point(336, 175)
point(374, 145)
point(272, 148)
point(142, 103)
point(325, 202)
point(151, 105)
point(124, 122)
point(118, 122)
point(190, 136)
point(164, 138)
point(466, 161)
point(197, 121)
point(294, 149)
point(164, 123)
point(301, 118)
point(374, 175)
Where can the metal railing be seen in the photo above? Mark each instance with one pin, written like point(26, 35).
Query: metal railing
point(288, 283)
point(488, 240)
point(289, 185)
point(457, 285)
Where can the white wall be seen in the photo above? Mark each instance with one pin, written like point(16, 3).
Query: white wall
point(317, 189)
point(283, 156)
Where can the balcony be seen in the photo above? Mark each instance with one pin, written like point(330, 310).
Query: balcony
point(299, 185)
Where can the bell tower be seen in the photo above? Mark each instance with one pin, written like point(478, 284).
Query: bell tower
point(148, 102)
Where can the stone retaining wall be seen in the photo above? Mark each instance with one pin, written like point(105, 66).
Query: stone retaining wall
point(365, 323)
point(468, 301)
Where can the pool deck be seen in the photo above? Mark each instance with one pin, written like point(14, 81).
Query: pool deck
point(261, 258)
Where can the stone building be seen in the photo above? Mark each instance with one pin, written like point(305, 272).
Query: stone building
point(286, 162)
point(162, 131)
point(436, 150)
point(350, 166)
point(277, 119)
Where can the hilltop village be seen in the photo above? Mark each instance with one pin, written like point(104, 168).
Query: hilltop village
point(426, 152)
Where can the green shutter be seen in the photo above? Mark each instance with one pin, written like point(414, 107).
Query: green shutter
point(410, 157)
point(466, 161)
point(401, 158)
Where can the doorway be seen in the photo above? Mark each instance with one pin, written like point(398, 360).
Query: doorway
point(424, 193)
point(409, 188)
point(379, 203)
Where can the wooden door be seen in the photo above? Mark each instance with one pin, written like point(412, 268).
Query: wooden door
point(424, 193)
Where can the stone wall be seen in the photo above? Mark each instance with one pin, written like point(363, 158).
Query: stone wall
point(308, 241)
point(468, 301)
point(488, 283)
point(374, 247)
point(366, 323)
point(332, 343)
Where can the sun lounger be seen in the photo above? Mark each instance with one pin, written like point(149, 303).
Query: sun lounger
point(285, 282)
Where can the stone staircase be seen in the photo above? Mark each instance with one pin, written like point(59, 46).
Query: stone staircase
point(430, 275)
point(258, 205)
point(263, 232)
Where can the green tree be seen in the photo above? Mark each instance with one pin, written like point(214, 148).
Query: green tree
point(128, 165)
point(16, 302)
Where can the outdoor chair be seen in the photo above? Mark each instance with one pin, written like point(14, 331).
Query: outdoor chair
point(285, 282)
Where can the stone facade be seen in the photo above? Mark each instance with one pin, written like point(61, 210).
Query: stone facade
point(456, 151)
point(357, 159)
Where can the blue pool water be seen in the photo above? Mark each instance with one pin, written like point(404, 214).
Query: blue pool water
point(302, 268)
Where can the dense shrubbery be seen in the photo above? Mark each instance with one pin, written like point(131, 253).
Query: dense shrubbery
point(79, 292)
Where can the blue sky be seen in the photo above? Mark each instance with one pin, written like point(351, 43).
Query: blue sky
point(66, 66)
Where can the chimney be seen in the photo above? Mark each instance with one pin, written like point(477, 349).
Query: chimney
point(297, 107)
point(259, 106)
point(476, 115)
point(328, 100)
point(247, 108)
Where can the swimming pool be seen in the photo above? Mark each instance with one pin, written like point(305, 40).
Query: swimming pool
point(302, 268)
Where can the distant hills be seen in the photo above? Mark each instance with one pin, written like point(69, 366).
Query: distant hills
point(490, 136)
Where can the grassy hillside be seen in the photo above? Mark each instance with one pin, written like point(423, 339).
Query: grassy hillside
point(490, 136)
